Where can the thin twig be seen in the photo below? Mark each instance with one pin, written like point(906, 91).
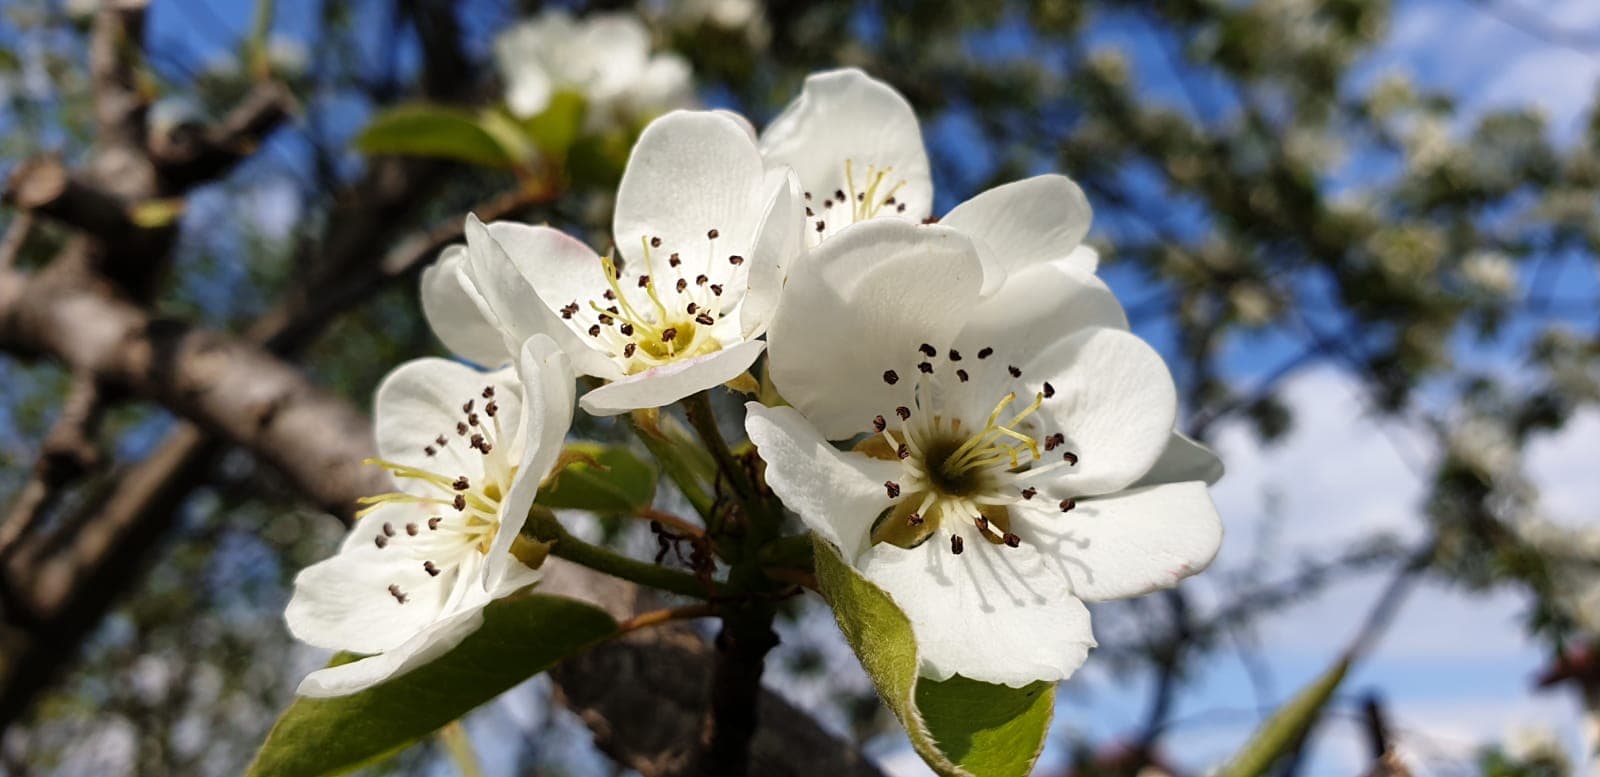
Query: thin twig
point(666, 615)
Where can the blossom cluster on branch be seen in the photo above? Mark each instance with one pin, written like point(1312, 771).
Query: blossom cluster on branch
point(952, 405)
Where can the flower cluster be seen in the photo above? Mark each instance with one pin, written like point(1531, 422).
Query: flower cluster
point(603, 58)
point(956, 404)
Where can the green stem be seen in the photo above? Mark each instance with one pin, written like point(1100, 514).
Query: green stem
point(698, 409)
point(545, 528)
point(674, 465)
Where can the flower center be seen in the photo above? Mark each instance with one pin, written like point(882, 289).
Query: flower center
point(956, 471)
point(868, 192)
point(650, 319)
point(466, 511)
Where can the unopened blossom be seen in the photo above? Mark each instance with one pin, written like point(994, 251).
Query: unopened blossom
point(1011, 448)
point(856, 149)
point(467, 451)
point(664, 315)
point(604, 58)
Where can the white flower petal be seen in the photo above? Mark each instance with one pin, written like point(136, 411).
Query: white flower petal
point(661, 386)
point(692, 173)
point(1025, 222)
point(528, 93)
point(837, 494)
point(547, 385)
point(344, 602)
point(1115, 403)
point(509, 292)
point(1127, 544)
point(421, 400)
point(1183, 460)
point(861, 304)
point(846, 115)
point(993, 613)
point(452, 311)
point(1084, 258)
point(434, 641)
point(779, 244)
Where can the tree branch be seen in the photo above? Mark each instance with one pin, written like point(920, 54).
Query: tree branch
point(188, 156)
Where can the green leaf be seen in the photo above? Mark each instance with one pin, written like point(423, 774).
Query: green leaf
point(622, 483)
point(436, 131)
point(555, 129)
point(959, 726)
point(521, 636)
point(1284, 730)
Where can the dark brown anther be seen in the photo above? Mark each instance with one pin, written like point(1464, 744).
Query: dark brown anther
point(594, 331)
point(1015, 373)
point(1049, 390)
point(956, 544)
point(673, 260)
point(925, 367)
point(1067, 505)
point(1012, 540)
point(461, 483)
point(606, 319)
point(889, 201)
point(1027, 493)
point(626, 329)
point(490, 408)
point(861, 196)
point(705, 319)
point(461, 428)
point(981, 522)
point(627, 350)
point(669, 334)
point(928, 350)
point(488, 392)
point(411, 530)
point(1054, 441)
point(822, 225)
point(891, 377)
point(712, 234)
point(808, 196)
point(827, 203)
point(904, 412)
point(440, 441)
point(838, 194)
point(892, 488)
point(810, 213)
point(467, 408)
point(878, 424)
point(961, 375)
point(914, 519)
point(691, 307)
point(700, 280)
point(955, 355)
point(736, 260)
point(681, 285)
point(1070, 458)
point(567, 311)
point(430, 451)
point(716, 289)
point(388, 530)
point(433, 523)
point(431, 568)
point(472, 420)
point(644, 280)
point(610, 294)
point(612, 310)
point(399, 596)
point(381, 541)
point(901, 208)
point(460, 503)
point(904, 451)
point(984, 353)
point(655, 242)
point(930, 220)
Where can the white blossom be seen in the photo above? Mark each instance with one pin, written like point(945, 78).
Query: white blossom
point(467, 451)
point(1016, 453)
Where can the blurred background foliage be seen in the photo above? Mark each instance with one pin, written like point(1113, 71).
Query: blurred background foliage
point(1267, 205)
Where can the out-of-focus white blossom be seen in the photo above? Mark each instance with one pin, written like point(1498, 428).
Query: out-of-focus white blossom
point(745, 18)
point(604, 58)
point(1490, 272)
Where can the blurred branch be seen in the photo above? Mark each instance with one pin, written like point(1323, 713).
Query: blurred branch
point(68, 451)
point(43, 185)
point(192, 155)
